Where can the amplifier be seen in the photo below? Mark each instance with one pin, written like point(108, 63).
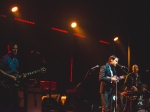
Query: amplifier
point(48, 85)
point(34, 102)
point(21, 98)
point(34, 99)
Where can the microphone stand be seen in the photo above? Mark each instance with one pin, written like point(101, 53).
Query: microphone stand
point(116, 89)
point(142, 86)
point(50, 85)
point(88, 72)
point(116, 98)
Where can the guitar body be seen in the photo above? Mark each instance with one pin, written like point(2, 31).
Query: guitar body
point(8, 82)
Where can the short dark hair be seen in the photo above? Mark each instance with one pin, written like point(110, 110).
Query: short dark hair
point(112, 57)
point(11, 45)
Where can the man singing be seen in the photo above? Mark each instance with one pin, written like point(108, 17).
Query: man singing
point(107, 78)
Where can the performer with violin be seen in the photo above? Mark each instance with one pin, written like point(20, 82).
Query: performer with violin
point(107, 78)
point(9, 100)
point(133, 86)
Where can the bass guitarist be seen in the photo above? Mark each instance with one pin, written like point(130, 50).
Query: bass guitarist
point(9, 99)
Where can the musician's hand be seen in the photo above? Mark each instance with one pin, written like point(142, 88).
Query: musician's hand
point(134, 88)
point(13, 77)
point(123, 93)
point(24, 75)
point(114, 78)
point(143, 89)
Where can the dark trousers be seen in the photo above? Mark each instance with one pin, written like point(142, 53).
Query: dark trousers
point(106, 101)
point(9, 99)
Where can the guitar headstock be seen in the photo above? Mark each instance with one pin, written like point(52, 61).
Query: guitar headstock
point(122, 77)
point(43, 70)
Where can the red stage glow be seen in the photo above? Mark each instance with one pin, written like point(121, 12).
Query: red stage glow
point(104, 42)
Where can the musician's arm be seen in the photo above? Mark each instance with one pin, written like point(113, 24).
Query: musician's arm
point(7, 75)
point(102, 76)
point(3, 64)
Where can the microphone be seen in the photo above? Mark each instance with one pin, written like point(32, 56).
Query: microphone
point(95, 67)
point(121, 66)
point(35, 52)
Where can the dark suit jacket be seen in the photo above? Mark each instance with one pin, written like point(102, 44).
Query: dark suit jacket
point(106, 86)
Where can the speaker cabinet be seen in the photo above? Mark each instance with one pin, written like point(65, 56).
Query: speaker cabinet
point(21, 98)
point(72, 101)
point(34, 102)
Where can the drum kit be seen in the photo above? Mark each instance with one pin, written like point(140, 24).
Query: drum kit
point(143, 100)
point(144, 103)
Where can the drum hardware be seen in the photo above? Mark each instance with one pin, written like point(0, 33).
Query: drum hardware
point(141, 100)
point(130, 97)
point(143, 104)
point(142, 110)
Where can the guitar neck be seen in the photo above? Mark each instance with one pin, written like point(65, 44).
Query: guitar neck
point(29, 73)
